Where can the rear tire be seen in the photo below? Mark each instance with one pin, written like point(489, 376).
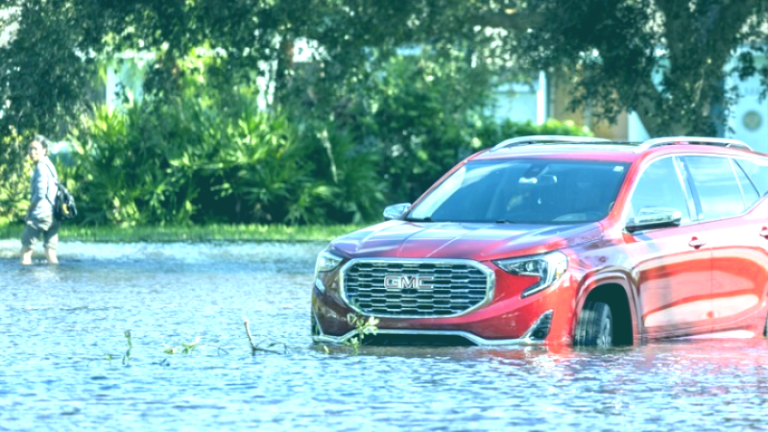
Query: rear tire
point(595, 326)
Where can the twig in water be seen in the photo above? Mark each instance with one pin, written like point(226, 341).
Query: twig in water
point(255, 348)
point(127, 355)
point(184, 348)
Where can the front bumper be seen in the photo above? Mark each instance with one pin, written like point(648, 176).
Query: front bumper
point(535, 335)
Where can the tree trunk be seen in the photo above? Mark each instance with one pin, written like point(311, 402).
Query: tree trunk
point(283, 71)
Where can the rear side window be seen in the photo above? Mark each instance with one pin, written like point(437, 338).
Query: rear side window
point(659, 186)
point(757, 172)
point(715, 184)
point(747, 188)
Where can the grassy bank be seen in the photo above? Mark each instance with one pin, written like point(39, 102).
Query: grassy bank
point(189, 233)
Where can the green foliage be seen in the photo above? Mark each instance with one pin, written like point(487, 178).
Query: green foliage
point(216, 159)
point(363, 327)
point(196, 233)
point(129, 341)
point(412, 115)
point(346, 187)
point(184, 348)
point(49, 65)
point(421, 116)
point(415, 116)
point(246, 164)
point(208, 154)
point(108, 158)
point(15, 176)
point(667, 60)
point(200, 160)
point(189, 160)
point(492, 133)
point(359, 126)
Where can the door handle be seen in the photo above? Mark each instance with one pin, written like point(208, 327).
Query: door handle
point(764, 232)
point(696, 243)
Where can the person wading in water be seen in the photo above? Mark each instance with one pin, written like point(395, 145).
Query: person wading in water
point(39, 219)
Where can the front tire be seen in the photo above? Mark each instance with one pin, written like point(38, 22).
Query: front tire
point(595, 326)
point(765, 331)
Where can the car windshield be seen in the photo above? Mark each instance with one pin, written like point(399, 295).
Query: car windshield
point(540, 191)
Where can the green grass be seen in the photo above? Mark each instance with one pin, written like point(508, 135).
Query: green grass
point(204, 233)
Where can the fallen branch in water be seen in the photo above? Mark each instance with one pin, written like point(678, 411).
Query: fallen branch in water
point(127, 355)
point(256, 348)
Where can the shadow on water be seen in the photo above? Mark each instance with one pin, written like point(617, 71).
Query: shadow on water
point(63, 359)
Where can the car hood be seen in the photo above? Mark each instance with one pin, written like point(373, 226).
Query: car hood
point(477, 241)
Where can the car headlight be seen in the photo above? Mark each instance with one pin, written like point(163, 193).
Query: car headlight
point(326, 262)
point(548, 268)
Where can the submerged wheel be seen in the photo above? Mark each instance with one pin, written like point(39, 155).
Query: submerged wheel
point(765, 332)
point(595, 326)
point(314, 328)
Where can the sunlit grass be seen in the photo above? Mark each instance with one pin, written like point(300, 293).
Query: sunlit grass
point(204, 233)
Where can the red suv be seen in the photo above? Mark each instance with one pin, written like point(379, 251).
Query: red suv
point(553, 239)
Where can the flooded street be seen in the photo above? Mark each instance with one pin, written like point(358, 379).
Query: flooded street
point(65, 362)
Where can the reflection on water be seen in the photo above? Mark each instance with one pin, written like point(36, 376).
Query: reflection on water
point(59, 327)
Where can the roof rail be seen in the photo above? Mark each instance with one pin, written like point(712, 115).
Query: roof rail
point(539, 139)
point(722, 142)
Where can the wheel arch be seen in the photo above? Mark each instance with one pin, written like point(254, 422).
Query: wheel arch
point(617, 293)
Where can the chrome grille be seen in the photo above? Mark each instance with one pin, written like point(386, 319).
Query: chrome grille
point(454, 287)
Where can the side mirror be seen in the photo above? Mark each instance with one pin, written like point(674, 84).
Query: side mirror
point(654, 217)
point(396, 211)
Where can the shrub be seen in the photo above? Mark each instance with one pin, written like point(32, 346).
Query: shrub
point(208, 154)
point(421, 116)
point(209, 160)
point(490, 133)
point(414, 115)
point(15, 176)
point(345, 187)
point(187, 160)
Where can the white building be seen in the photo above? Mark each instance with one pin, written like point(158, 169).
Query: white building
point(748, 121)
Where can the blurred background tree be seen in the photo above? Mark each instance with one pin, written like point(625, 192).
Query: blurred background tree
point(667, 60)
point(664, 59)
point(391, 94)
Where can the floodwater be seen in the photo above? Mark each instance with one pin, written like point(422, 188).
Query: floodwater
point(65, 363)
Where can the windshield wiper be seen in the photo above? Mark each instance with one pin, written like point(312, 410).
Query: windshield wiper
point(506, 221)
point(424, 219)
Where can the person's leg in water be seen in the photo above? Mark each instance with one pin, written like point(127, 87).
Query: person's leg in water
point(50, 255)
point(28, 239)
point(26, 255)
point(51, 238)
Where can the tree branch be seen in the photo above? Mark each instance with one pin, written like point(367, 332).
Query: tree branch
point(517, 21)
point(727, 23)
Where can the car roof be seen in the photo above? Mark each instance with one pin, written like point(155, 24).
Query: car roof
point(608, 152)
point(584, 148)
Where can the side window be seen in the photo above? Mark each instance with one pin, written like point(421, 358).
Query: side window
point(659, 186)
point(756, 172)
point(747, 188)
point(714, 181)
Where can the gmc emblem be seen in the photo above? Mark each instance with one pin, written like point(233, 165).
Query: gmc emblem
point(403, 281)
